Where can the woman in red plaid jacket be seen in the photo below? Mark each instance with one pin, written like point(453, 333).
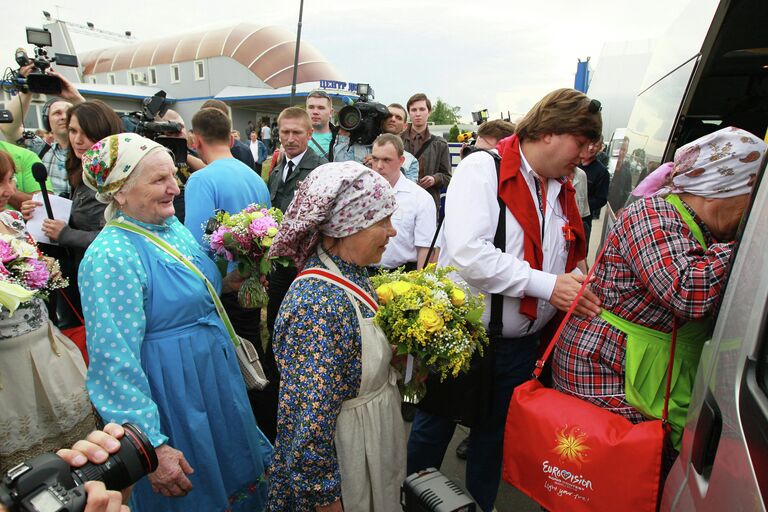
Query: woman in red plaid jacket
point(666, 261)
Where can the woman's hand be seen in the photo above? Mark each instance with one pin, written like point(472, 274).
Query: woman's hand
point(52, 228)
point(170, 477)
point(232, 282)
point(28, 208)
point(333, 507)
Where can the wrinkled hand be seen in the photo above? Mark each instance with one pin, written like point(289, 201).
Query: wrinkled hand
point(566, 288)
point(28, 208)
point(170, 477)
point(427, 182)
point(232, 282)
point(333, 507)
point(52, 228)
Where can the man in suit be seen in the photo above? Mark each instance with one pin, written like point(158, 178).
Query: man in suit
point(295, 129)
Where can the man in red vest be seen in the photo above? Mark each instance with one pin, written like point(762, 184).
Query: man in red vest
point(538, 271)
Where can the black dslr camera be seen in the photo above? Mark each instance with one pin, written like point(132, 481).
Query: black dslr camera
point(363, 119)
point(144, 123)
point(37, 80)
point(47, 483)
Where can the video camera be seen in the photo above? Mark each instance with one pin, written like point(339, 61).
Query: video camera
point(144, 123)
point(38, 80)
point(363, 119)
point(47, 483)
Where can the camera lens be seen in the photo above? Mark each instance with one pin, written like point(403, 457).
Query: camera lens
point(135, 459)
point(349, 117)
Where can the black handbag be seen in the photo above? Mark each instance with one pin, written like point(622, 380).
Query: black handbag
point(466, 398)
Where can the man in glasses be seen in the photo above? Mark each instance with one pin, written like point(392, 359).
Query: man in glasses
point(531, 263)
point(598, 180)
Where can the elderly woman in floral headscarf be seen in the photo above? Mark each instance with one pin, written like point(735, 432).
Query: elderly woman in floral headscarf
point(665, 263)
point(340, 435)
point(160, 355)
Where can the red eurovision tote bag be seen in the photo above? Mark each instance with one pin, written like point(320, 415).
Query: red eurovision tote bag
point(571, 455)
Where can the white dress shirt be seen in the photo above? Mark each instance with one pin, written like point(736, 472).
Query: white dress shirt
point(414, 219)
point(295, 161)
point(471, 216)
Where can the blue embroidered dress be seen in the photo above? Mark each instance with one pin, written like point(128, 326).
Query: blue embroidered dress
point(318, 350)
point(161, 358)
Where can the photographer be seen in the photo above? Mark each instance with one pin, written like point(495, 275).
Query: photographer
point(54, 155)
point(96, 448)
point(394, 124)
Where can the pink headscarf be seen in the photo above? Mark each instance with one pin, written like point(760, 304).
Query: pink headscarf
point(722, 164)
point(336, 199)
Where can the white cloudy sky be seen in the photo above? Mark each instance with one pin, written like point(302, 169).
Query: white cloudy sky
point(497, 54)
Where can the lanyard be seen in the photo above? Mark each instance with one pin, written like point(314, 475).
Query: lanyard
point(541, 194)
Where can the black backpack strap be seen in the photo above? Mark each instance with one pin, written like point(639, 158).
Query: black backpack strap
point(495, 323)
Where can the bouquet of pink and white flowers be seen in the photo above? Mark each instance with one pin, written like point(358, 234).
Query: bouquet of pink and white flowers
point(25, 273)
point(245, 238)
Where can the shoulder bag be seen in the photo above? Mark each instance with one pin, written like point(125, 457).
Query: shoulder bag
point(571, 455)
point(247, 357)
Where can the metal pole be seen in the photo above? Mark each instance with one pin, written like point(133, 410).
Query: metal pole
point(296, 55)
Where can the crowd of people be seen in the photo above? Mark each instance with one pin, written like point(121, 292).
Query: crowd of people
point(162, 320)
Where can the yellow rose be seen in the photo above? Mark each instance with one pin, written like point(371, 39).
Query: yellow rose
point(458, 297)
point(272, 231)
point(400, 287)
point(266, 241)
point(24, 249)
point(256, 215)
point(385, 293)
point(429, 318)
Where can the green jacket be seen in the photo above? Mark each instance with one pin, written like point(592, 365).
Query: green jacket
point(281, 194)
point(23, 159)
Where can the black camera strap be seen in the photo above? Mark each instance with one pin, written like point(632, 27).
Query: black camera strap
point(322, 151)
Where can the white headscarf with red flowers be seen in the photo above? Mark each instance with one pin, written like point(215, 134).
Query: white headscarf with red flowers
point(336, 199)
point(722, 164)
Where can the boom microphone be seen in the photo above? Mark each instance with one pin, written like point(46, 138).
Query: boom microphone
point(40, 173)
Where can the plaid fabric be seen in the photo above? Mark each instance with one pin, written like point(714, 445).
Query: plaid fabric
point(652, 267)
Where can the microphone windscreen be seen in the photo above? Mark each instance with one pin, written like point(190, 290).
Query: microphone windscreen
point(39, 172)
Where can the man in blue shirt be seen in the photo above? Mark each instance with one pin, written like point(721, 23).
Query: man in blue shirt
point(320, 110)
point(226, 183)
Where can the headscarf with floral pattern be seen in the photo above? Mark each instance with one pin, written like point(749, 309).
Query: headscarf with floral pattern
point(722, 164)
point(109, 163)
point(336, 199)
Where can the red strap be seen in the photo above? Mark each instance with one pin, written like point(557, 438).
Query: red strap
point(543, 359)
point(61, 290)
point(670, 367)
point(345, 283)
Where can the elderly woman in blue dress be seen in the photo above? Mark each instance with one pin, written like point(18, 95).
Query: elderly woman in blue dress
point(160, 354)
point(340, 435)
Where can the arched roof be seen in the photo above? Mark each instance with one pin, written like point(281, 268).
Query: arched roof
point(267, 51)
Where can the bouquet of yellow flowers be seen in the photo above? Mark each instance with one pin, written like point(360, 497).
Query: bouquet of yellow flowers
point(428, 316)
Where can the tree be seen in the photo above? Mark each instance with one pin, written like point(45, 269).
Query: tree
point(443, 113)
point(453, 135)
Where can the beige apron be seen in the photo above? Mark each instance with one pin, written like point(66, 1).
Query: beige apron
point(370, 432)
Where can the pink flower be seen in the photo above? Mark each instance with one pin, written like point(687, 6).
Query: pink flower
point(260, 226)
point(6, 252)
point(228, 255)
point(217, 239)
point(37, 277)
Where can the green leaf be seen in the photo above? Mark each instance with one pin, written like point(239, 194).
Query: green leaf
point(402, 350)
point(474, 315)
point(265, 266)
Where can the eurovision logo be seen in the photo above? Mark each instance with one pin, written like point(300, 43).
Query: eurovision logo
point(571, 445)
point(572, 449)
